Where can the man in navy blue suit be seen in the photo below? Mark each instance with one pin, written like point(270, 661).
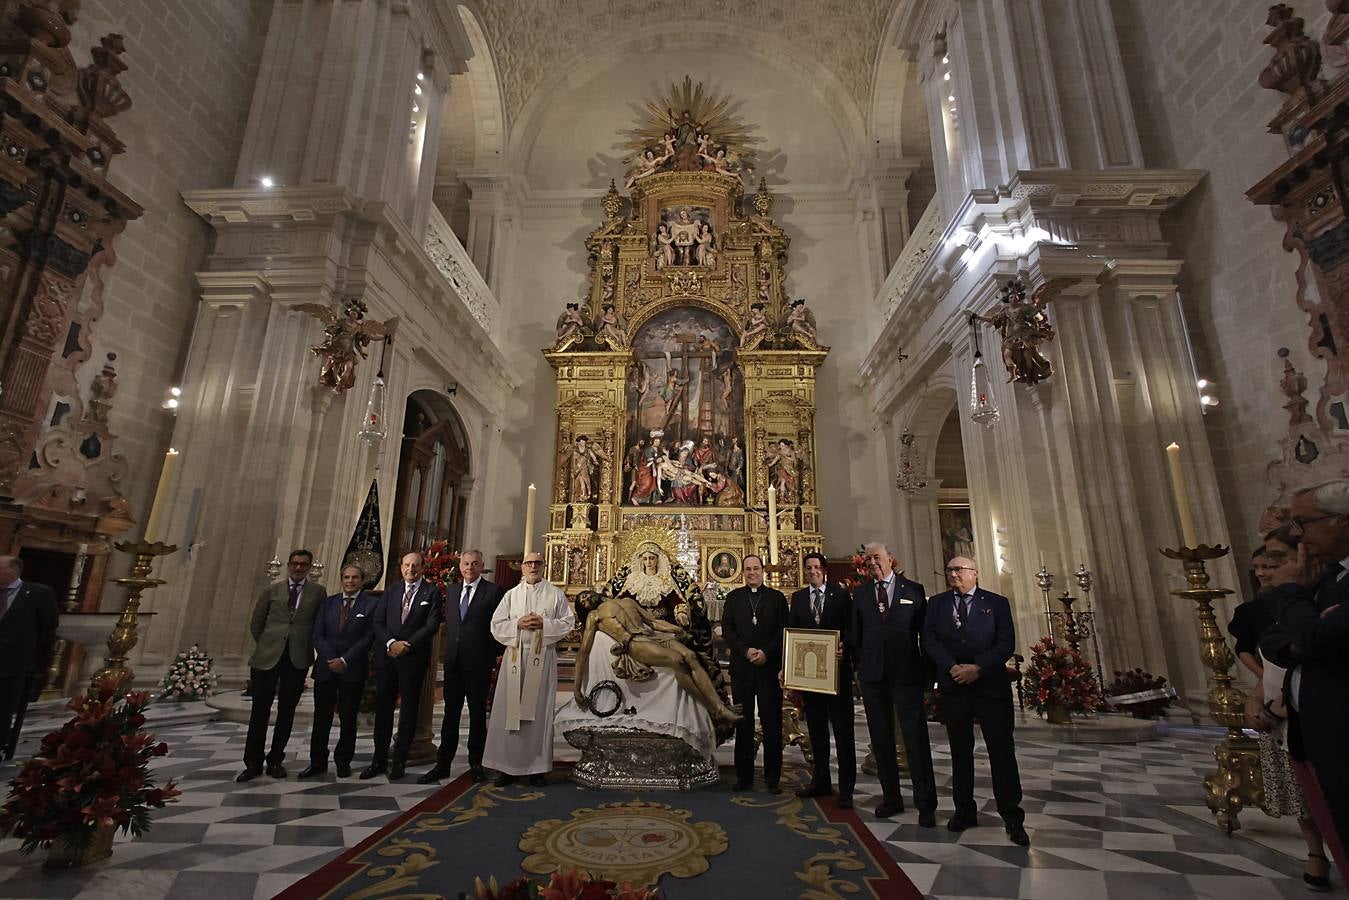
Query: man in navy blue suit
point(406, 621)
point(343, 631)
point(888, 614)
point(969, 635)
point(817, 605)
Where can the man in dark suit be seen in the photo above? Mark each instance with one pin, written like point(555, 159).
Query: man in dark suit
point(283, 627)
point(406, 621)
point(470, 651)
point(817, 605)
point(969, 635)
point(344, 628)
point(28, 618)
point(888, 616)
point(1311, 639)
point(751, 623)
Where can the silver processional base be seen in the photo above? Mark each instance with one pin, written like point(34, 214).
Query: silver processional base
point(629, 758)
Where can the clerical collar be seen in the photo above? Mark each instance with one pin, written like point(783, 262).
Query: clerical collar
point(754, 590)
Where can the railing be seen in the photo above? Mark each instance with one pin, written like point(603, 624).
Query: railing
point(450, 257)
point(920, 246)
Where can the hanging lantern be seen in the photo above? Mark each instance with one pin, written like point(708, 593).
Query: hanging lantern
point(983, 410)
point(910, 479)
point(372, 426)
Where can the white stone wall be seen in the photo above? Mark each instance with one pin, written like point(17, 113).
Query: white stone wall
point(191, 68)
point(1192, 70)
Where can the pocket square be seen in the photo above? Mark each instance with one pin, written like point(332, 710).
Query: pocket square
point(426, 603)
point(905, 601)
point(360, 615)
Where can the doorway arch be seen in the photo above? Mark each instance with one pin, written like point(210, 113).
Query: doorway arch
point(434, 477)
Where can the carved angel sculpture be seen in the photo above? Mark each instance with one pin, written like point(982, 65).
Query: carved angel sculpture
point(800, 324)
point(345, 338)
point(612, 329)
point(1025, 327)
point(570, 326)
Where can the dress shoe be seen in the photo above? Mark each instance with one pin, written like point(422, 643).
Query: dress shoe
point(960, 823)
point(927, 820)
point(504, 780)
point(477, 774)
point(815, 790)
point(1017, 835)
point(248, 774)
point(774, 788)
point(396, 772)
point(313, 770)
point(372, 770)
point(344, 770)
point(845, 801)
point(277, 771)
point(538, 780)
point(740, 786)
point(433, 776)
point(886, 810)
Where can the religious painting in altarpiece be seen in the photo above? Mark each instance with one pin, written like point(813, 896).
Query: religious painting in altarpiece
point(685, 375)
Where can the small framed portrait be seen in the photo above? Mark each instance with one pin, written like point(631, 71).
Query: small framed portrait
point(724, 566)
point(810, 660)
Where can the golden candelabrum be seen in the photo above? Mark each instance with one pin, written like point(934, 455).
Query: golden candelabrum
point(124, 634)
point(1236, 785)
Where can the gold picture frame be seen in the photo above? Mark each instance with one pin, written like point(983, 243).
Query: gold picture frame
point(723, 565)
point(810, 660)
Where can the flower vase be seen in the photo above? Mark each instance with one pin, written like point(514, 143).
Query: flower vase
point(1058, 715)
point(63, 856)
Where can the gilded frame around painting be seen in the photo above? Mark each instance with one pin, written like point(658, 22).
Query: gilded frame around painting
point(810, 660)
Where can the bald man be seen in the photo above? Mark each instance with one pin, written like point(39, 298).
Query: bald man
point(968, 633)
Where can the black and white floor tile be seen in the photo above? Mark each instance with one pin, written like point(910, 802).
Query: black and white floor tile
point(1106, 821)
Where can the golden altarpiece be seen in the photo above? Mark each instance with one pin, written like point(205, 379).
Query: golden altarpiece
point(685, 376)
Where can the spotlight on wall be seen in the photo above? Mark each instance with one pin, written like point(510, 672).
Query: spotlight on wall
point(452, 388)
point(267, 182)
point(421, 76)
point(417, 89)
point(1208, 397)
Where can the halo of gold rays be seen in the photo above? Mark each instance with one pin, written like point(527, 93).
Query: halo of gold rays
point(708, 113)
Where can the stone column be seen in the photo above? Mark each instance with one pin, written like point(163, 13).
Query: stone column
point(491, 216)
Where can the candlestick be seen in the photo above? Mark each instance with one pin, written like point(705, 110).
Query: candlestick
point(162, 490)
point(1187, 532)
point(772, 525)
point(529, 521)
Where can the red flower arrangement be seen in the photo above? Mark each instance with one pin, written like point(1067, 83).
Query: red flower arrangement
point(93, 772)
point(564, 884)
point(860, 572)
point(442, 564)
point(1057, 676)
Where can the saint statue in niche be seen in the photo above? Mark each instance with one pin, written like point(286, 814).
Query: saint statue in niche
point(783, 465)
point(583, 460)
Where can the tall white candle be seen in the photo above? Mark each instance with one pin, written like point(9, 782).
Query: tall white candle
point(529, 521)
point(162, 491)
point(772, 525)
point(1178, 487)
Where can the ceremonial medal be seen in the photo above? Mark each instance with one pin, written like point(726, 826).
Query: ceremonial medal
point(753, 619)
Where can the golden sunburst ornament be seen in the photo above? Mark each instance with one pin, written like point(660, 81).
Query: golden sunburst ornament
point(675, 121)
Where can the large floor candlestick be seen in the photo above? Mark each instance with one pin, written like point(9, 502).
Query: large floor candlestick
point(1188, 535)
point(529, 521)
point(772, 525)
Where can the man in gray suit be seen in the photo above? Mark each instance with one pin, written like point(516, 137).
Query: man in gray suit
point(28, 615)
point(283, 626)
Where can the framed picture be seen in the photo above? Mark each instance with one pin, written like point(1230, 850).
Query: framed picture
point(810, 660)
point(724, 566)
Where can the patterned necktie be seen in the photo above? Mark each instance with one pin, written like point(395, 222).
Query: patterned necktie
point(346, 611)
point(962, 609)
point(408, 593)
point(294, 596)
point(464, 601)
point(882, 599)
point(816, 605)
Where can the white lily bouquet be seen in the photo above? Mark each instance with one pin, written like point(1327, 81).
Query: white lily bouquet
point(189, 677)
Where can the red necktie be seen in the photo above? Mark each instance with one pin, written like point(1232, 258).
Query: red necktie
point(346, 611)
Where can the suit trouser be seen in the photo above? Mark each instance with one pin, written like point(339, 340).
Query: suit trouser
point(345, 696)
point(11, 700)
point(822, 711)
point(397, 681)
point(761, 688)
point(960, 709)
point(463, 683)
point(884, 703)
point(284, 683)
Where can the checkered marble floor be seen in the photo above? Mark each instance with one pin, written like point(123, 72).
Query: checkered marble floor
point(1105, 822)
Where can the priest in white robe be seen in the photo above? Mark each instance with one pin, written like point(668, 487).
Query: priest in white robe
point(530, 620)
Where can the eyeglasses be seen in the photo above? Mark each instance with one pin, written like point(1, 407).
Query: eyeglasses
point(951, 570)
point(1303, 521)
point(532, 562)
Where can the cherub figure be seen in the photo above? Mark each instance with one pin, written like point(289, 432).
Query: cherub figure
point(1024, 328)
point(612, 329)
point(345, 338)
point(570, 326)
point(756, 327)
point(648, 163)
point(800, 324)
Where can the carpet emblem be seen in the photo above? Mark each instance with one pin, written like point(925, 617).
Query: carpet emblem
point(631, 841)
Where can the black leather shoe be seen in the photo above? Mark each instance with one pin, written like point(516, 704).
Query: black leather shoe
point(1017, 835)
point(774, 788)
point(845, 801)
point(477, 774)
point(538, 780)
point(815, 790)
point(344, 770)
point(396, 772)
point(504, 780)
point(927, 820)
point(248, 774)
point(886, 810)
point(312, 771)
point(960, 823)
point(433, 776)
point(277, 771)
point(372, 770)
point(740, 786)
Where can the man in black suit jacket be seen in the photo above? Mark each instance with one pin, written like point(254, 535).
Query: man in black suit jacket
point(817, 605)
point(888, 615)
point(406, 621)
point(1311, 639)
point(969, 635)
point(751, 623)
point(470, 652)
point(28, 617)
point(344, 629)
